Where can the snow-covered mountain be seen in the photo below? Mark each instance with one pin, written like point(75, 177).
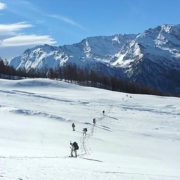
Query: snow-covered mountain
point(151, 58)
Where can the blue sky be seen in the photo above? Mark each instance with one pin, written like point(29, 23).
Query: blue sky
point(26, 23)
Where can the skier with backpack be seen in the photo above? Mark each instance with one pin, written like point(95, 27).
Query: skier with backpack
point(74, 147)
point(73, 126)
point(84, 131)
point(103, 112)
point(94, 121)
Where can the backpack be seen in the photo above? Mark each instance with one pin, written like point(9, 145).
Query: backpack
point(75, 144)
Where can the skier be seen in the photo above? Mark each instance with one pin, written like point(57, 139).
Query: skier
point(74, 147)
point(73, 126)
point(84, 131)
point(94, 121)
point(103, 112)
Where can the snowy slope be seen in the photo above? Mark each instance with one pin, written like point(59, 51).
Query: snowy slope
point(91, 49)
point(138, 138)
point(151, 58)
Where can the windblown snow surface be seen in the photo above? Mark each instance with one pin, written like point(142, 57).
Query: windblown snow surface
point(138, 138)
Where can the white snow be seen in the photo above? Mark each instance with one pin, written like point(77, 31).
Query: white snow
point(167, 28)
point(116, 39)
point(137, 139)
point(87, 49)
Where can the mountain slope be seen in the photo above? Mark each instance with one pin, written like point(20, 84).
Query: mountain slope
point(137, 138)
point(151, 58)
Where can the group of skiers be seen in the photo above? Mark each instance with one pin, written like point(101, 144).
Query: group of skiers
point(84, 129)
point(74, 146)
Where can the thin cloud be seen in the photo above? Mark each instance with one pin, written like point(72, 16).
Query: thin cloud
point(2, 6)
point(66, 20)
point(6, 29)
point(31, 8)
point(26, 40)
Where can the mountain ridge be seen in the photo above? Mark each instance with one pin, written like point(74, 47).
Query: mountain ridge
point(149, 58)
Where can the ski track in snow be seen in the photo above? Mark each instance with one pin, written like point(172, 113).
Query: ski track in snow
point(36, 113)
point(34, 95)
point(135, 107)
point(149, 110)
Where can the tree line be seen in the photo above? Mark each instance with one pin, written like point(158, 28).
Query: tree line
point(72, 73)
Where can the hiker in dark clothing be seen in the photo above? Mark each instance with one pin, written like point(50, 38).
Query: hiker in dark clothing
point(103, 112)
point(74, 147)
point(94, 121)
point(73, 126)
point(84, 131)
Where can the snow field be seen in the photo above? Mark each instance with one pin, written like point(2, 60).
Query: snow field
point(138, 138)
